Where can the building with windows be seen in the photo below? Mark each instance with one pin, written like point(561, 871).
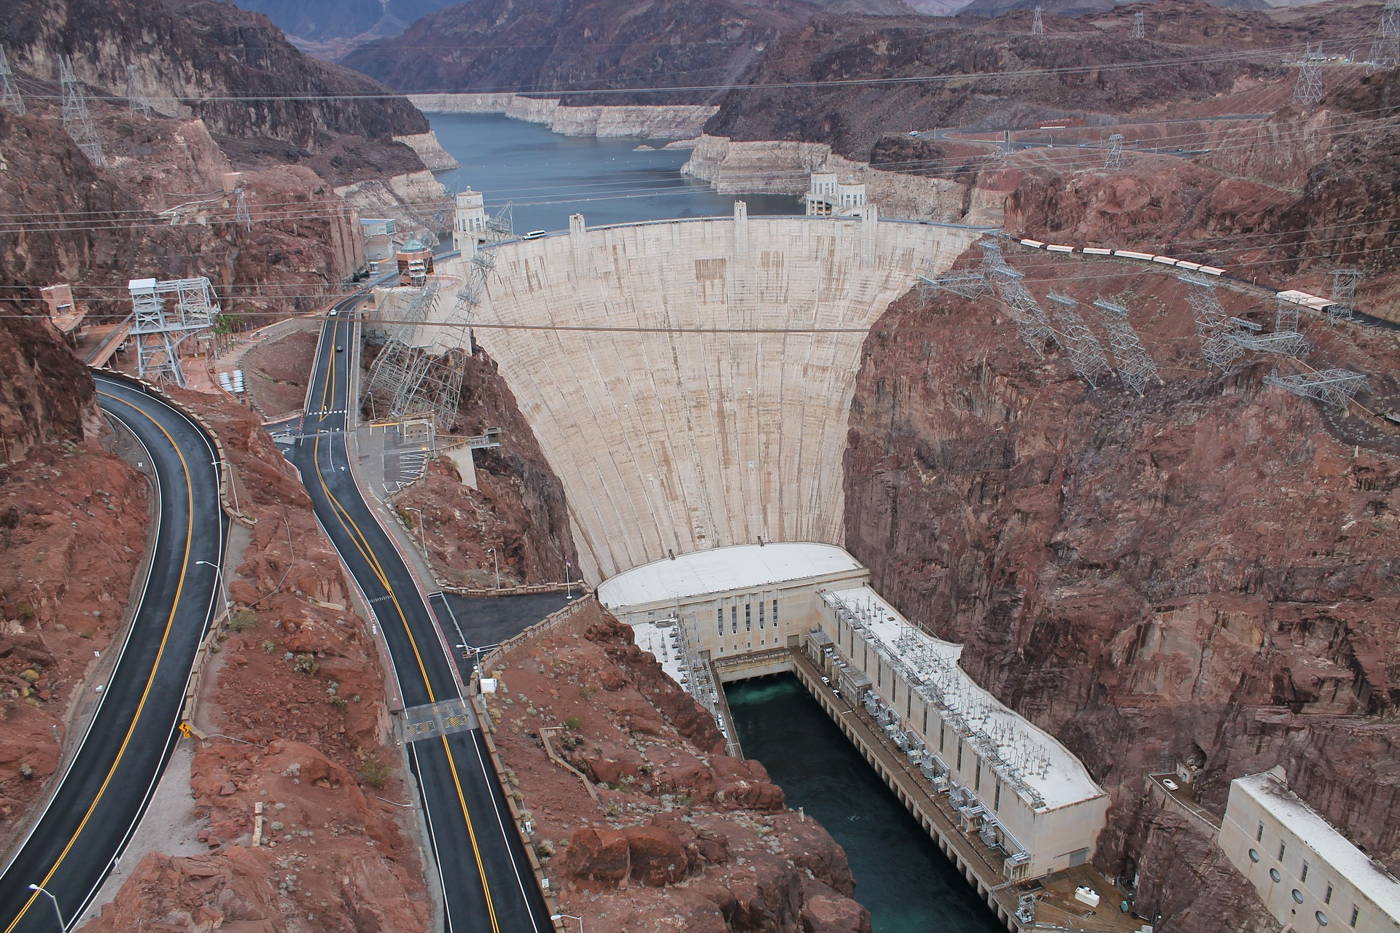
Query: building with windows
point(827, 197)
point(469, 223)
point(1309, 875)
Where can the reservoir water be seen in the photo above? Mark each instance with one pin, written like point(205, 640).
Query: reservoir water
point(907, 884)
point(901, 877)
point(547, 177)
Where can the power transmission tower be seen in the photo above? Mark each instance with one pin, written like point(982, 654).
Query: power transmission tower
point(158, 332)
point(1385, 48)
point(76, 119)
point(1308, 90)
point(138, 102)
point(1139, 25)
point(1135, 366)
point(1332, 386)
point(1114, 159)
point(10, 98)
point(241, 214)
point(1037, 25)
point(1085, 353)
point(1212, 325)
point(1343, 294)
point(1031, 323)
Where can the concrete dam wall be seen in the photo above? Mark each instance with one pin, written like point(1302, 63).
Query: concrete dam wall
point(710, 407)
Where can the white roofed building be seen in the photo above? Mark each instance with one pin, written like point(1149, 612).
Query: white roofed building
point(828, 197)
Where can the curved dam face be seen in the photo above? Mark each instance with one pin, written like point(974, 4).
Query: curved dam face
point(710, 407)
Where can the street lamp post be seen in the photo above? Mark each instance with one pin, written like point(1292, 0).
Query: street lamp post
point(497, 564)
point(422, 541)
point(568, 917)
point(223, 588)
point(58, 913)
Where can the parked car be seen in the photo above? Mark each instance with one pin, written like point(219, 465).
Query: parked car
point(532, 235)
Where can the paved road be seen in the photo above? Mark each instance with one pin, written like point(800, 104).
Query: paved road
point(486, 879)
point(474, 624)
point(105, 790)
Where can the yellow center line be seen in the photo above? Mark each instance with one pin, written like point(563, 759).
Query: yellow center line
point(150, 680)
point(362, 545)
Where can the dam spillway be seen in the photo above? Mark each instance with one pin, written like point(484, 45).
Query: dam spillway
point(710, 407)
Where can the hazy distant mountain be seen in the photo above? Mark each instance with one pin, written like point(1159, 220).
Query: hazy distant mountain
point(938, 7)
point(1081, 7)
point(337, 19)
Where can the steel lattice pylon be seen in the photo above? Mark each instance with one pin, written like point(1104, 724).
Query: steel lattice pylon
point(1037, 24)
point(1283, 342)
point(1085, 353)
point(138, 102)
point(1212, 325)
point(962, 284)
point(159, 330)
point(1135, 366)
point(1285, 315)
point(1309, 88)
point(1031, 323)
point(1114, 159)
point(10, 97)
point(1385, 48)
point(1139, 25)
point(241, 214)
point(76, 119)
point(1343, 294)
point(1332, 386)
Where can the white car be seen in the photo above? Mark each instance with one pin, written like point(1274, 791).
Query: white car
point(1169, 784)
point(532, 235)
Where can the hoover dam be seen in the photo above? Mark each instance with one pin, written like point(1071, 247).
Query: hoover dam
point(690, 380)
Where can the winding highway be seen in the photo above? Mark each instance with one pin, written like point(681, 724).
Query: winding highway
point(486, 880)
point(102, 795)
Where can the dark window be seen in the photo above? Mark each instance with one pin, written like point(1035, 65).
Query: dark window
point(1355, 913)
point(775, 612)
point(748, 617)
point(960, 754)
point(1297, 896)
point(925, 730)
point(1303, 875)
point(719, 619)
point(996, 797)
point(1259, 834)
point(734, 619)
point(761, 607)
point(1321, 918)
point(1254, 855)
point(1282, 847)
point(1273, 873)
point(977, 777)
point(908, 703)
point(1327, 898)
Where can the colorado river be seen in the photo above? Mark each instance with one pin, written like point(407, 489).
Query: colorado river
point(901, 877)
point(547, 177)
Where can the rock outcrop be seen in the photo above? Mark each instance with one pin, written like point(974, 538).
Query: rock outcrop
point(1206, 574)
point(662, 121)
point(643, 822)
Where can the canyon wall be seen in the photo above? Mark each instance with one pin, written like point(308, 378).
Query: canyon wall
point(663, 121)
point(784, 167)
point(643, 823)
point(1207, 574)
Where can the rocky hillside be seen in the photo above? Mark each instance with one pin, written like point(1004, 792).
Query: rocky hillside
point(200, 49)
point(1205, 575)
point(641, 819)
point(343, 19)
point(542, 45)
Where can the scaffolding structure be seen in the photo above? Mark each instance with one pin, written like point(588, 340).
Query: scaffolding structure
point(159, 329)
point(1329, 386)
point(1085, 353)
point(1031, 323)
point(1309, 88)
point(1139, 25)
point(77, 122)
point(1286, 315)
point(1135, 366)
point(1385, 48)
point(1344, 283)
point(1114, 159)
point(138, 102)
point(1037, 24)
point(1212, 325)
point(398, 371)
point(10, 97)
point(1284, 343)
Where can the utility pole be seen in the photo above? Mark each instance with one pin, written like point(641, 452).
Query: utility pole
point(76, 119)
point(1114, 159)
point(1037, 25)
point(10, 98)
point(1139, 25)
point(1308, 90)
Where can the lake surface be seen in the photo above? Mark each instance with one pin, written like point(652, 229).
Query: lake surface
point(547, 177)
point(901, 876)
